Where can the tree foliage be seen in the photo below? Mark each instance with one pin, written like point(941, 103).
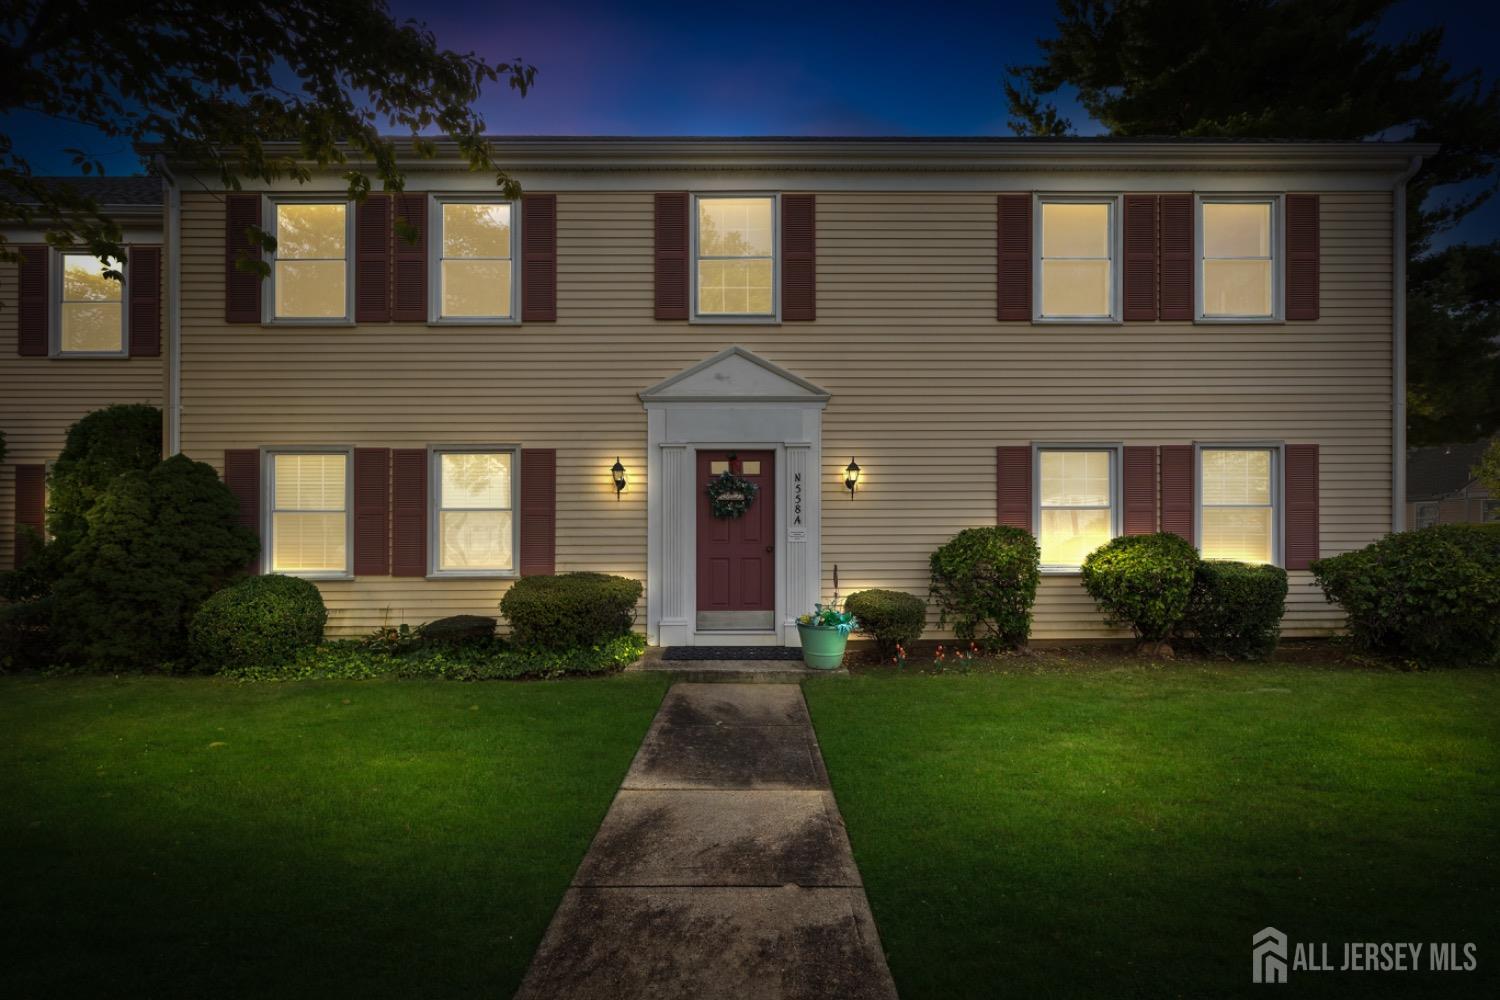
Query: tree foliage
point(213, 84)
point(99, 447)
point(1488, 469)
point(1310, 69)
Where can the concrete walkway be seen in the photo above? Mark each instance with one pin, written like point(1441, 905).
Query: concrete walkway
point(721, 870)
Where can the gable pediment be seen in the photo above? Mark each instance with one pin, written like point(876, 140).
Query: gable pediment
point(738, 375)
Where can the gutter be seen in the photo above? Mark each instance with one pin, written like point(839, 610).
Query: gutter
point(1398, 351)
point(172, 237)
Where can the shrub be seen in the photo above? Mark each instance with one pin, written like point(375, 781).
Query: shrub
point(25, 636)
point(158, 543)
point(1142, 581)
point(985, 580)
point(99, 447)
point(1235, 609)
point(890, 617)
point(261, 620)
point(1432, 596)
point(457, 630)
point(570, 611)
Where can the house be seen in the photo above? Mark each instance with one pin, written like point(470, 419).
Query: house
point(1441, 488)
point(884, 341)
point(72, 341)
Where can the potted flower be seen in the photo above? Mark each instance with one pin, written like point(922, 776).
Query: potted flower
point(824, 635)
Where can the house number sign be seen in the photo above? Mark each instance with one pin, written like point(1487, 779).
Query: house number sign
point(796, 532)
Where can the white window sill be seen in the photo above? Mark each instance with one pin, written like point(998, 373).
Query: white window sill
point(1062, 570)
point(476, 321)
point(314, 577)
point(736, 320)
point(336, 323)
point(87, 355)
point(1240, 320)
point(1077, 321)
point(477, 575)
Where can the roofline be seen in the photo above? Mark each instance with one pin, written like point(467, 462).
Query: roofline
point(944, 153)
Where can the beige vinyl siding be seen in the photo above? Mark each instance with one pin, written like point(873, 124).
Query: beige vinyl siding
point(925, 384)
point(40, 398)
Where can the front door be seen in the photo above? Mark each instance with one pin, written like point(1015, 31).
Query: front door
point(737, 555)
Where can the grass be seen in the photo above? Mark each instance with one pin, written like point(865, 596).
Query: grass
point(1123, 830)
point(171, 837)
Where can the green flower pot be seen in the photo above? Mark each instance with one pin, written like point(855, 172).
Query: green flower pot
point(822, 646)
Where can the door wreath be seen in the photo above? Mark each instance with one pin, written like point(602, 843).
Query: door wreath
point(729, 495)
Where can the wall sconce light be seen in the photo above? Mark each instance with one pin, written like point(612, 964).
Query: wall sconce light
point(851, 477)
point(617, 473)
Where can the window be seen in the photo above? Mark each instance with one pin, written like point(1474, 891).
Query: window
point(1237, 242)
point(1237, 510)
point(1075, 503)
point(475, 243)
point(1076, 266)
point(91, 307)
point(309, 513)
point(1489, 512)
point(1427, 515)
point(310, 270)
point(735, 266)
point(474, 499)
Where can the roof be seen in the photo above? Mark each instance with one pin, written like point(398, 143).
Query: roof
point(135, 189)
point(1441, 470)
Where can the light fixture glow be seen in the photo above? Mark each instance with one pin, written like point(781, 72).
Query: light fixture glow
point(617, 473)
point(851, 477)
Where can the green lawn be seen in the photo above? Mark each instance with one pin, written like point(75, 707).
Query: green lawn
point(200, 838)
point(1124, 832)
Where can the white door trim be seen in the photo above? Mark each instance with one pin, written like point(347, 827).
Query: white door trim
point(732, 400)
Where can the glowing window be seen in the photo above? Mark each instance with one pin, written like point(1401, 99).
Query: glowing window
point(312, 261)
point(1075, 504)
point(309, 513)
point(1077, 268)
point(1238, 259)
point(1238, 513)
point(475, 510)
point(736, 256)
point(476, 260)
point(91, 313)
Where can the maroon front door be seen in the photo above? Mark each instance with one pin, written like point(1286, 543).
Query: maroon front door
point(737, 555)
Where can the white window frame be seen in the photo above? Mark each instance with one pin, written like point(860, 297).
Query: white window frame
point(1116, 494)
point(268, 286)
point(1278, 491)
point(772, 317)
point(1116, 245)
point(1427, 505)
point(435, 455)
point(55, 303)
point(268, 506)
point(1278, 255)
point(435, 315)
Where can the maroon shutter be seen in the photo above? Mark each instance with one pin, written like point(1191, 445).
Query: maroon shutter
point(1177, 489)
point(1177, 268)
point(32, 301)
point(1013, 485)
point(799, 257)
point(1302, 251)
point(372, 511)
point(409, 263)
point(241, 288)
point(1302, 543)
point(1140, 489)
point(1013, 258)
point(31, 502)
point(242, 476)
point(538, 511)
point(539, 258)
point(144, 278)
point(409, 512)
point(672, 256)
point(1140, 257)
point(372, 259)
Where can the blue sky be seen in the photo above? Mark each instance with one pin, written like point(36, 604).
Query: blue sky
point(653, 68)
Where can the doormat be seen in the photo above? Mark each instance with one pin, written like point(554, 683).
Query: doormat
point(731, 653)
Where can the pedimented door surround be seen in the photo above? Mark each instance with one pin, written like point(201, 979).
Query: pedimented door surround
point(733, 400)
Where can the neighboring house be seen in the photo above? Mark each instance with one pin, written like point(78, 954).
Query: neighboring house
point(1441, 488)
point(1084, 338)
point(72, 341)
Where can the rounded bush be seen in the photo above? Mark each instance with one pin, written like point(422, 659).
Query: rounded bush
point(125, 437)
point(890, 617)
point(1235, 609)
point(261, 621)
point(984, 580)
point(571, 610)
point(1432, 596)
point(456, 630)
point(1143, 582)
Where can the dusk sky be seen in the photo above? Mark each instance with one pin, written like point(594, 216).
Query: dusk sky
point(653, 68)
